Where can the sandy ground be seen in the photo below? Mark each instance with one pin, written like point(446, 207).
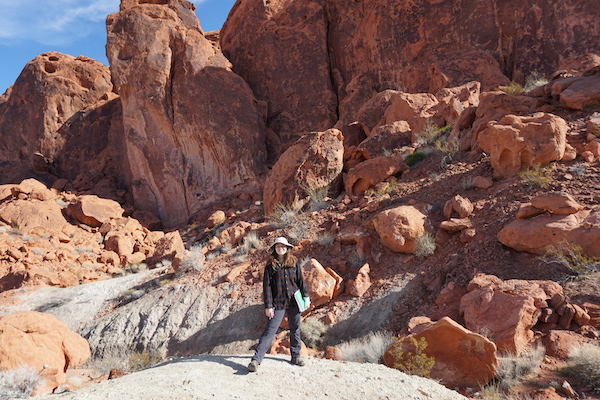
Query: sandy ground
point(226, 377)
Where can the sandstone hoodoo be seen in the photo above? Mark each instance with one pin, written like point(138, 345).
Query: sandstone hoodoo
point(434, 164)
point(184, 111)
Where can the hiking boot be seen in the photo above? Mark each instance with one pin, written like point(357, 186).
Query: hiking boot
point(253, 366)
point(298, 361)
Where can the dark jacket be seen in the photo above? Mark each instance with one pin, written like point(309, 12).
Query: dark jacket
point(280, 284)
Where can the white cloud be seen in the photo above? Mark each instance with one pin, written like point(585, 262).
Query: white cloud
point(53, 22)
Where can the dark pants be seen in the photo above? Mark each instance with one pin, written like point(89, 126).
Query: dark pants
point(268, 334)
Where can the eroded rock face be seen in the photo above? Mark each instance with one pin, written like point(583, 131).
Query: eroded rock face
point(280, 48)
point(43, 342)
point(319, 48)
point(462, 357)
point(315, 161)
point(54, 87)
point(516, 143)
point(193, 128)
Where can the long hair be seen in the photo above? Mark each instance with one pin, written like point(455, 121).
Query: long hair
point(289, 260)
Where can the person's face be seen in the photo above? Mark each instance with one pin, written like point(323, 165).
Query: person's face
point(280, 249)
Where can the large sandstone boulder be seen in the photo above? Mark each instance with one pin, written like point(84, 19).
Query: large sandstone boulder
point(399, 228)
point(369, 173)
point(506, 310)
point(582, 92)
point(515, 143)
point(493, 106)
point(462, 358)
point(414, 108)
point(54, 87)
point(193, 128)
point(320, 283)
point(536, 234)
point(315, 161)
point(42, 342)
point(29, 216)
point(94, 211)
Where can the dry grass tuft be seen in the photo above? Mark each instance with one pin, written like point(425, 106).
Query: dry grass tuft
point(367, 349)
point(19, 383)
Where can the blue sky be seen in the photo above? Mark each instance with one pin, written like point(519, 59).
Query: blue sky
point(75, 27)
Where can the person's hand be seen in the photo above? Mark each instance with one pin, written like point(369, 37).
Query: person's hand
point(270, 312)
point(307, 302)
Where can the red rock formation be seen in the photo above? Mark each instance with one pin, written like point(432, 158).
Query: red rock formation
point(42, 342)
point(55, 87)
point(536, 234)
point(516, 143)
point(280, 48)
point(300, 56)
point(399, 228)
point(315, 161)
point(184, 111)
point(462, 357)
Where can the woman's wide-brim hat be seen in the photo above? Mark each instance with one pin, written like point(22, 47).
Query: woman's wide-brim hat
point(283, 241)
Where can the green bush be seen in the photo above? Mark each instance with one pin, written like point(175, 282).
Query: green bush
point(513, 88)
point(414, 158)
point(537, 176)
point(584, 364)
point(367, 349)
point(414, 362)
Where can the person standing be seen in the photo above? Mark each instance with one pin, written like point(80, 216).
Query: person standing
point(282, 278)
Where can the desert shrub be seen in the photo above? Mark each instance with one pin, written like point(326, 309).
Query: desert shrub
point(572, 257)
point(513, 88)
point(313, 331)
point(283, 215)
point(513, 368)
point(193, 260)
point(317, 197)
point(578, 169)
point(584, 364)
point(425, 245)
point(449, 148)
point(414, 158)
point(139, 360)
point(19, 383)
point(297, 231)
point(367, 349)
point(414, 362)
point(430, 133)
point(135, 268)
point(467, 183)
point(494, 391)
point(537, 176)
point(534, 80)
point(325, 239)
point(251, 241)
